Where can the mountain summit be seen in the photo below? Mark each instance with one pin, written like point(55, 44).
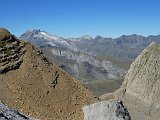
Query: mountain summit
point(41, 38)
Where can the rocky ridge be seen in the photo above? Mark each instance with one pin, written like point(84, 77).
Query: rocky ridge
point(41, 89)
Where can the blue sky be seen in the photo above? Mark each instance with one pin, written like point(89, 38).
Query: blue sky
point(74, 18)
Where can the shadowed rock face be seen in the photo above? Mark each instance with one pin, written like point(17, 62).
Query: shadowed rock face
point(7, 113)
point(106, 110)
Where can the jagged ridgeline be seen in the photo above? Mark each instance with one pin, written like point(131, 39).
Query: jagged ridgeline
point(11, 51)
point(35, 87)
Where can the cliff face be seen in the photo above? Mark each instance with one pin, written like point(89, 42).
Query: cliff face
point(41, 89)
point(143, 78)
point(142, 83)
point(140, 90)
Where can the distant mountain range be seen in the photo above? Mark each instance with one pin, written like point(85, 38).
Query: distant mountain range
point(95, 61)
point(126, 46)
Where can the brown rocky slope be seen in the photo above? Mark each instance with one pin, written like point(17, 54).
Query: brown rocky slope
point(38, 88)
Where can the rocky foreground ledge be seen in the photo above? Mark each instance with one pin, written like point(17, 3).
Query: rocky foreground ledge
point(7, 113)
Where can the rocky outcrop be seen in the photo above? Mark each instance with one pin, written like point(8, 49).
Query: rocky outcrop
point(106, 110)
point(143, 78)
point(142, 83)
point(7, 113)
point(140, 90)
point(11, 52)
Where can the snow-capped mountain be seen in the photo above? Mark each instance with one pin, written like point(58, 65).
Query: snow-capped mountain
point(82, 38)
point(41, 38)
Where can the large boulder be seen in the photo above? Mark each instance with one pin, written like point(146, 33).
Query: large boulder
point(106, 110)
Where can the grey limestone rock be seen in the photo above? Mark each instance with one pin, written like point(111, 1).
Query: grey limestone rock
point(106, 110)
point(141, 85)
point(143, 78)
